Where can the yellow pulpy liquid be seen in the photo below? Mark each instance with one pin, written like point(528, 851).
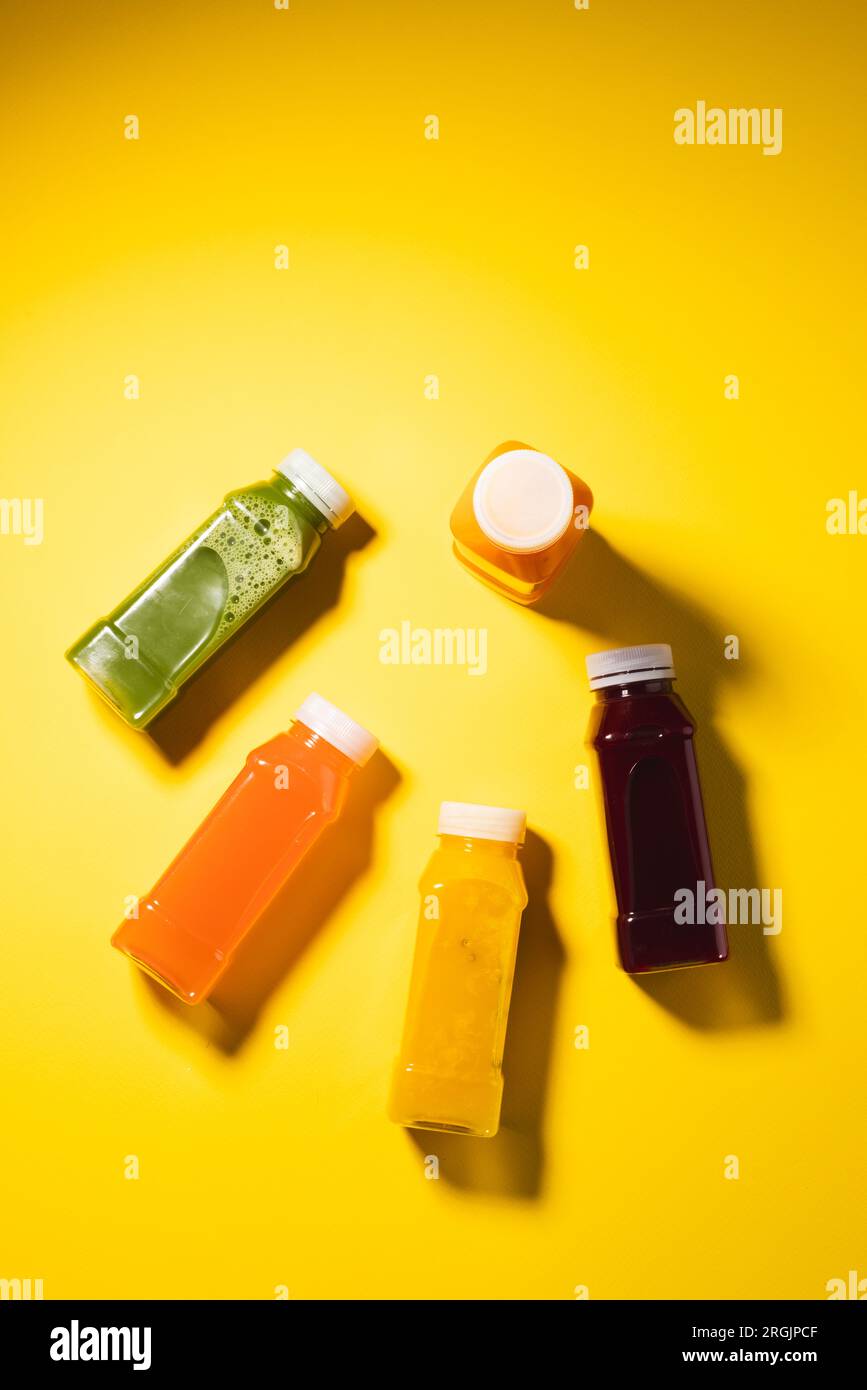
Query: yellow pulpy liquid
point(448, 1075)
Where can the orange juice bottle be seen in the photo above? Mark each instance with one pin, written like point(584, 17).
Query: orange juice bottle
point(225, 876)
point(518, 521)
point(448, 1074)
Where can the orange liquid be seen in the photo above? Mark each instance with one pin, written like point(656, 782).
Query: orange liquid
point(523, 578)
point(226, 875)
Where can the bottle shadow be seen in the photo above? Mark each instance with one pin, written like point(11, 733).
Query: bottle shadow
point(223, 678)
point(284, 931)
point(606, 594)
point(512, 1163)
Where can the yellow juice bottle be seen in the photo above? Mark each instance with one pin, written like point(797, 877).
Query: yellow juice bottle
point(449, 1072)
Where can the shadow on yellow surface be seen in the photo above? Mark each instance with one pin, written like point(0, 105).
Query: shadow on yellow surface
point(287, 926)
point(296, 607)
point(606, 594)
point(512, 1163)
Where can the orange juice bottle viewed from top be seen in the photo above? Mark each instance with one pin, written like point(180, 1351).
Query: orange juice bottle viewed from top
point(448, 1074)
point(518, 521)
point(289, 791)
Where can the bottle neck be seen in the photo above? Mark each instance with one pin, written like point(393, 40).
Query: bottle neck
point(503, 849)
point(625, 692)
point(301, 503)
point(307, 739)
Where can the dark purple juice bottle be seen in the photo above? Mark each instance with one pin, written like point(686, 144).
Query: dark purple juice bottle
point(657, 834)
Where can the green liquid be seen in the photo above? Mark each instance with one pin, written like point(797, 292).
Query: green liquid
point(140, 655)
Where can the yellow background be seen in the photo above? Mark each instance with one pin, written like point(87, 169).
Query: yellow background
point(410, 257)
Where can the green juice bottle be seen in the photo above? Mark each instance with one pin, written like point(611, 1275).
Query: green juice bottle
point(141, 654)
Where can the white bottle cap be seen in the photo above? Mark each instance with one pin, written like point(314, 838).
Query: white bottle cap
point(337, 729)
point(482, 822)
point(626, 665)
point(523, 501)
point(318, 486)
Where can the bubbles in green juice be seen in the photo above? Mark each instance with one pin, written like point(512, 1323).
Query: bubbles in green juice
point(257, 555)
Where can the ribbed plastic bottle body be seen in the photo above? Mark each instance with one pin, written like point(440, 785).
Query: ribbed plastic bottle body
point(215, 581)
point(449, 1071)
point(657, 833)
point(229, 871)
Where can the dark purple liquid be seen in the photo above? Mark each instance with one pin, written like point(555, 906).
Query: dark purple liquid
point(657, 834)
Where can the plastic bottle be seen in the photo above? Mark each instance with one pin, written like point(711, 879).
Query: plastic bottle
point(519, 520)
point(657, 836)
point(448, 1075)
point(288, 792)
point(138, 657)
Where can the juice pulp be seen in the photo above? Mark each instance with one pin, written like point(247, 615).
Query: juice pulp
point(448, 1075)
point(181, 614)
point(522, 576)
point(657, 834)
point(188, 925)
